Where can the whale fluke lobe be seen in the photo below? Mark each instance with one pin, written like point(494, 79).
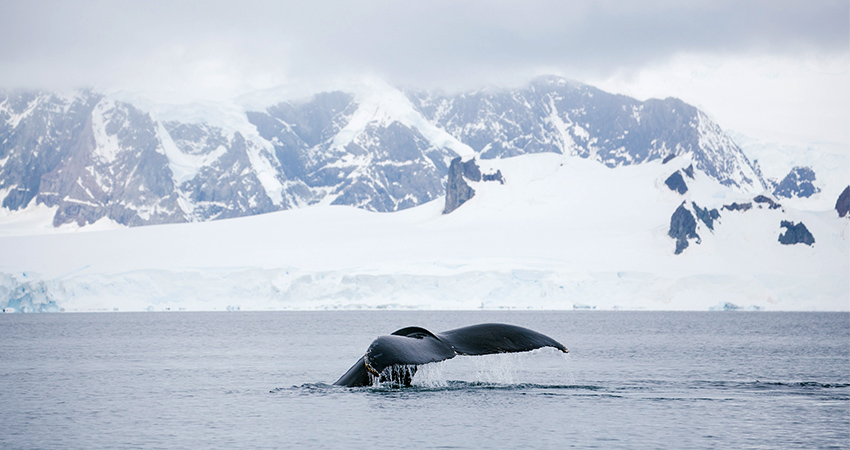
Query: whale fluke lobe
point(489, 338)
point(395, 357)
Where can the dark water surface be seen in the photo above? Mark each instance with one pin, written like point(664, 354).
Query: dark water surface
point(263, 380)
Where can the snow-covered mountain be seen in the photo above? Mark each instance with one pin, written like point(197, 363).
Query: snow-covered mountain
point(551, 196)
point(92, 157)
point(555, 115)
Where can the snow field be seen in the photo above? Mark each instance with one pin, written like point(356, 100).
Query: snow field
point(561, 233)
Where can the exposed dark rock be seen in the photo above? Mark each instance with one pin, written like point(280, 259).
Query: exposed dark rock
point(471, 171)
point(769, 183)
point(706, 215)
point(668, 158)
point(676, 183)
point(42, 143)
point(768, 201)
point(309, 121)
point(795, 234)
point(738, 206)
point(457, 191)
point(493, 177)
point(842, 205)
point(683, 226)
point(798, 183)
point(689, 171)
point(403, 167)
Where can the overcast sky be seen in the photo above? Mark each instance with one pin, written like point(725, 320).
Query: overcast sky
point(767, 68)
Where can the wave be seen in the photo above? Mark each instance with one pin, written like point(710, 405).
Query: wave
point(653, 390)
point(451, 385)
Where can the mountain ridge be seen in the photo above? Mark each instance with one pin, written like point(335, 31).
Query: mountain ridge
point(380, 148)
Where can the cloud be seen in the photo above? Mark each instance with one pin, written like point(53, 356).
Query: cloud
point(419, 42)
point(219, 49)
point(800, 100)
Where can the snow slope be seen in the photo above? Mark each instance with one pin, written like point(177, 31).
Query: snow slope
point(380, 104)
point(561, 233)
point(830, 161)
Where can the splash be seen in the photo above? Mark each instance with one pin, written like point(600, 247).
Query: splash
point(497, 369)
point(537, 367)
point(500, 369)
point(432, 375)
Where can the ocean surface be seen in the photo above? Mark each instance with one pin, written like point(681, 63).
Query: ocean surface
point(660, 380)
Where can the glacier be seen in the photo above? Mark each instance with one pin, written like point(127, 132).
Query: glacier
point(563, 232)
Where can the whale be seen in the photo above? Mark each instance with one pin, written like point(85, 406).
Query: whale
point(394, 358)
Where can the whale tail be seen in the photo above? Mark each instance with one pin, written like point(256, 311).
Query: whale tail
point(394, 358)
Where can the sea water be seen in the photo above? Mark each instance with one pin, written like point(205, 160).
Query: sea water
point(672, 380)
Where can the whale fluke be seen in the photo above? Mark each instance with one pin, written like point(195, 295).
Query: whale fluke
point(395, 357)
